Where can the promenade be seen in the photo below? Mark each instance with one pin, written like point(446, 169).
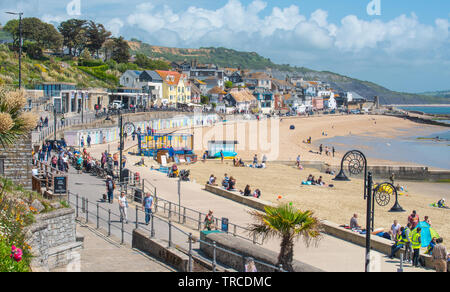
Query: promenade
point(331, 254)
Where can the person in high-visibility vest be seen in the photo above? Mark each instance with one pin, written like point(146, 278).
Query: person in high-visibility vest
point(407, 242)
point(416, 244)
point(398, 243)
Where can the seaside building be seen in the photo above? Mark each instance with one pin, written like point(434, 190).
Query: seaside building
point(241, 100)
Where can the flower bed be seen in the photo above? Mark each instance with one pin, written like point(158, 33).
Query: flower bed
point(17, 212)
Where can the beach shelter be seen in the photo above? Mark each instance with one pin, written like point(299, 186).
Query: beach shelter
point(427, 233)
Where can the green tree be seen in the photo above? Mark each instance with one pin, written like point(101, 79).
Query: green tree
point(96, 35)
point(13, 121)
point(288, 224)
point(204, 99)
point(120, 51)
point(74, 35)
point(146, 63)
point(228, 84)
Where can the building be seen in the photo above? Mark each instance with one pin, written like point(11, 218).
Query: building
point(265, 98)
point(175, 89)
point(242, 100)
point(130, 79)
point(216, 95)
point(317, 103)
point(258, 79)
point(152, 84)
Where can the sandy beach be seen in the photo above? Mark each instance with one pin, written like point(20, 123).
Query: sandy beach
point(275, 138)
point(336, 204)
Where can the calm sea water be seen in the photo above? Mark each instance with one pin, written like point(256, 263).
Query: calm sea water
point(407, 148)
point(435, 110)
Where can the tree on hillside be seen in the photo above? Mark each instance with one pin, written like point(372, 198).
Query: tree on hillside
point(74, 35)
point(36, 34)
point(146, 63)
point(96, 35)
point(120, 51)
point(288, 224)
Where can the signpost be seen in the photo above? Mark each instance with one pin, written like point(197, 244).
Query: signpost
point(60, 185)
point(224, 224)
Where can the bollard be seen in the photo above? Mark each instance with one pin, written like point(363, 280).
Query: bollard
point(190, 268)
point(109, 222)
point(214, 263)
point(137, 225)
point(98, 220)
point(401, 264)
point(170, 233)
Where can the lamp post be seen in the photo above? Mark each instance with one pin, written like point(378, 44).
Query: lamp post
point(20, 45)
point(120, 146)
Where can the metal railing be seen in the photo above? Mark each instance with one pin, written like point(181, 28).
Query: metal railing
point(172, 210)
point(162, 229)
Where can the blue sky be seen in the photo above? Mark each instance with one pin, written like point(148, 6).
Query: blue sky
point(406, 48)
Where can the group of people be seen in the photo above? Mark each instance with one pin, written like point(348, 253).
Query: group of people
point(328, 151)
point(248, 192)
point(311, 180)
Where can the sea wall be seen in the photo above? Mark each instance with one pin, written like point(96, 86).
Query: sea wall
point(244, 249)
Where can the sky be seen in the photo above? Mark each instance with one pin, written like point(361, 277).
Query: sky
point(403, 45)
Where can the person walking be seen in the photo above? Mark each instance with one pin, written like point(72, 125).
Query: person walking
point(209, 220)
point(440, 256)
point(298, 161)
point(320, 149)
point(416, 244)
point(333, 150)
point(147, 205)
point(123, 207)
point(88, 140)
point(110, 186)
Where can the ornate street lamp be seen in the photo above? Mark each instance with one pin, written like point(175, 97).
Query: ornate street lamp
point(355, 162)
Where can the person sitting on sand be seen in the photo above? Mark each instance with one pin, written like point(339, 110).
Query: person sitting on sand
point(310, 178)
point(354, 222)
point(320, 182)
point(231, 184)
point(241, 162)
point(441, 203)
point(247, 191)
point(212, 180)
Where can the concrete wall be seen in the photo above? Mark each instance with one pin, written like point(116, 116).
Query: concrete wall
point(377, 243)
point(159, 249)
point(245, 249)
point(53, 239)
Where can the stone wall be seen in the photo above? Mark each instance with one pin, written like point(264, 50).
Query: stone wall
point(53, 239)
point(244, 249)
point(16, 161)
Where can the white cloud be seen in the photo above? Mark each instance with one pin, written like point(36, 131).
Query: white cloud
point(114, 26)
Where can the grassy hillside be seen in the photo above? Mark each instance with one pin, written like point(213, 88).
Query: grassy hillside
point(251, 60)
point(51, 70)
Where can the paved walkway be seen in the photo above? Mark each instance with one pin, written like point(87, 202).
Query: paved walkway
point(100, 254)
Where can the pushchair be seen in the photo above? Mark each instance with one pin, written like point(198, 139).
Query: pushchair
point(184, 174)
point(172, 172)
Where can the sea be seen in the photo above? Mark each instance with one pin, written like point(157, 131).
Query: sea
point(435, 110)
point(423, 150)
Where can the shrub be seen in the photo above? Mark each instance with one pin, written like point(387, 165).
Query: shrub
point(8, 264)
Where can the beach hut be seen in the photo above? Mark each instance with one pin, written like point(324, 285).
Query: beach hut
point(228, 147)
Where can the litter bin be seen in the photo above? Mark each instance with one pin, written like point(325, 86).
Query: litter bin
point(138, 196)
point(125, 175)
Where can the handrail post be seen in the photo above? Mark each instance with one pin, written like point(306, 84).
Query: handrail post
point(152, 230)
point(214, 263)
point(170, 210)
point(190, 267)
point(184, 215)
point(199, 221)
point(109, 222)
point(170, 233)
point(122, 231)
point(87, 210)
point(98, 220)
point(77, 205)
point(137, 219)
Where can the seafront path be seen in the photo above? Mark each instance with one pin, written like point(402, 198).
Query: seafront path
point(331, 253)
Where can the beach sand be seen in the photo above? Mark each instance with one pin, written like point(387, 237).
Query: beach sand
point(275, 139)
point(335, 204)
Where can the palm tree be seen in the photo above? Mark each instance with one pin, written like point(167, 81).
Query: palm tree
point(13, 121)
point(289, 224)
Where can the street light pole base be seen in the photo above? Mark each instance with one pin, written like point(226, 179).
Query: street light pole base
point(341, 176)
point(397, 208)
